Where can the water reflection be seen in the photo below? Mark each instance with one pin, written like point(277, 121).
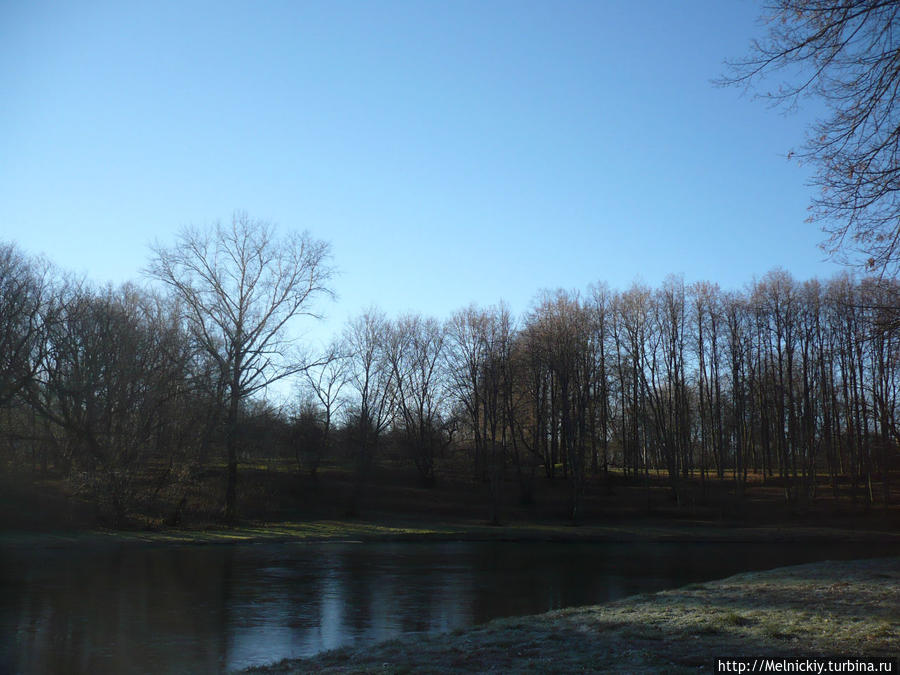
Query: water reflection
point(206, 609)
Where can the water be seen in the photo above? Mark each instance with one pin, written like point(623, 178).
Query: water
point(214, 608)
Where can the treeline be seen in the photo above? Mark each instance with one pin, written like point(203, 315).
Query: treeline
point(114, 390)
point(788, 380)
point(100, 386)
point(792, 381)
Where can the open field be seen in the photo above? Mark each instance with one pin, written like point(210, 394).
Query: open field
point(835, 609)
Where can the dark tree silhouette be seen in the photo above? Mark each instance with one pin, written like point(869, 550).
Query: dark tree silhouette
point(415, 351)
point(25, 298)
point(240, 287)
point(371, 381)
point(846, 52)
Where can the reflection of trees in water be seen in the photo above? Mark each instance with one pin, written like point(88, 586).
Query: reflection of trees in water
point(205, 609)
point(118, 611)
point(376, 594)
point(331, 610)
point(276, 596)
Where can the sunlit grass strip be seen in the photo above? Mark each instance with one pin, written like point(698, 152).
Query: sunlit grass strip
point(463, 530)
point(325, 530)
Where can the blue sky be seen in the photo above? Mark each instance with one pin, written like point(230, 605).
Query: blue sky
point(451, 152)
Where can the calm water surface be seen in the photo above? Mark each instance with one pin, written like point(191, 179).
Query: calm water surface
point(215, 608)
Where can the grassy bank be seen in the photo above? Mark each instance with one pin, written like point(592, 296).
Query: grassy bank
point(278, 493)
point(277, 504)
point(819, 609)
point(424, 530)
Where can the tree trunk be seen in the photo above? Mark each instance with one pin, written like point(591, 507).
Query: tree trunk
point(231, 443)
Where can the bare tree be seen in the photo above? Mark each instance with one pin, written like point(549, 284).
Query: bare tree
point(600, 305)
point(480, 343)
point(307, 435)
point(465, 354)
point(323, 384)
point(564, 324)
point(241, 286)
point(371, 379)
point(113, 384)
point(24, 299)
point(415, 351)
point(846, 53)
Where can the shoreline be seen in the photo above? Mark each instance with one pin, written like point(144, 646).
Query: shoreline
point(392, 530)
point(815, 610)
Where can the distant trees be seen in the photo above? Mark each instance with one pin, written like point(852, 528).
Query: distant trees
point(315, 419)
point(496, 384)
point(371, 381)
point(239, 287)
point(26, 305)
point(309, 435)
point(466, 353)
point(561, 324)
point(786, 380)
point(845, 53)
point(480, 363)
point(415, 351)
point(112, 389)
point(130, 394)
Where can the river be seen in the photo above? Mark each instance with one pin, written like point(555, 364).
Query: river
point(178, 609)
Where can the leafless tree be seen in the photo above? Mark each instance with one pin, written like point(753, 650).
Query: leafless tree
point(415, 350)
point(371, 379)
point(114, 383)
point(324, 382)
point(667, 394)
point(600, 306)
point(25, 300)
point(307, 435)
point(465, 354)
point(707, 324)
point(480, 364)
point(739, 350)
point(241, 286)
point(846, 53)
point(563, 322)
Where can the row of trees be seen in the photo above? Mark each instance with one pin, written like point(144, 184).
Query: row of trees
point(791, 381)
point(98, 384)
point(786, 379)
point(130, 390)
point(124, 387)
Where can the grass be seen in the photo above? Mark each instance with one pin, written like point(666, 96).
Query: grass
point(277, 504)
point(313, 531)
point(392, 526)
point(426, 529)
point(270, 490)
point(814, 610)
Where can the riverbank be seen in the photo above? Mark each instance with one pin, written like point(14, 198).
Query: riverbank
point(836, 609)
point(319, 531)
point(277, 504)
point(280, 506)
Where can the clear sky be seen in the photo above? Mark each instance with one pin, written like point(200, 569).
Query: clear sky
point(451, 152)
